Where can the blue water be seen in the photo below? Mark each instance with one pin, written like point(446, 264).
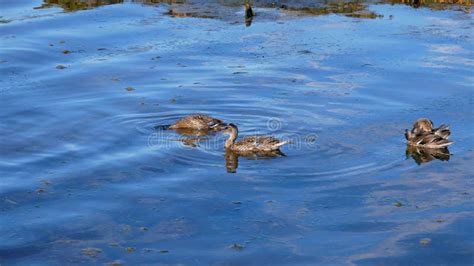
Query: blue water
point(85, 177)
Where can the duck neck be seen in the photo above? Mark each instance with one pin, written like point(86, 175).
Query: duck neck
point(230, 141)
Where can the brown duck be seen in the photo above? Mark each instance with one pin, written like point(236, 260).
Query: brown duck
point(198, 122)
point(249, 14)
point(253, 144)
point(248, 11)
point(424, 135)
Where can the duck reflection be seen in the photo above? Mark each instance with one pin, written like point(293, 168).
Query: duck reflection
point(248, 21)
point(232, 158)
point(194, 132)
point(191, 137)
point(425, 155)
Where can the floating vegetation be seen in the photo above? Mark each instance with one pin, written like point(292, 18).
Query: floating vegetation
point(115, 263)
point(226, 9)
point(11, 201)
point(236, 247)
point(370, 15)
point(74, 5)
point(129, 89)
point(148, 250)
point(60, 66)
point(91, 252)
point(425, 241)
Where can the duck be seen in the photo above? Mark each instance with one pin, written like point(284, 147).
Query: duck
point(198, 122)
point(250, 145)
point(249, 14)
point(248, 11)
point(423, 134)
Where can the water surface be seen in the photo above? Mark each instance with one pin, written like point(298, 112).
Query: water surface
point(86, 178)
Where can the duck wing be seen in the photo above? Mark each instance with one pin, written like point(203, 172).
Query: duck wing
point(260, 143)
point(431, 140)
point(442, 131)
point(196, 121)
point(211, 122)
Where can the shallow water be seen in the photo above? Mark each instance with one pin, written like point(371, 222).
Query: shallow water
point(86, 177)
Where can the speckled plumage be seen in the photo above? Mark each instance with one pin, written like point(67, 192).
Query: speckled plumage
point(424, 135)
point(197, 122)
point(252, 144)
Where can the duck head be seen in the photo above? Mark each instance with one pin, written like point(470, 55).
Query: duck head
point(232, 131)
point(423, 125)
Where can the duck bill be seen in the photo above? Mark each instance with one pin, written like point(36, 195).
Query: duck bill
point(218, 126)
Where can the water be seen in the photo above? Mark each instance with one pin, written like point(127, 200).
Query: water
point(85, 177)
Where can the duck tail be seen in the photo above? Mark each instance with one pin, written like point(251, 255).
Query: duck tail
point(443, 131)
point(281, 143)
point(439, 143)
point(444, 143)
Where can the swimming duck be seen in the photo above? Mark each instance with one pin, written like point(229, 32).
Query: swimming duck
point(424, 135)
point(248, 11)
point(198, 122)
point(248, 145)
point(248, 14)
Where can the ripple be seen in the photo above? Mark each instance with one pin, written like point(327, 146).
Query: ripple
point(202, 150)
